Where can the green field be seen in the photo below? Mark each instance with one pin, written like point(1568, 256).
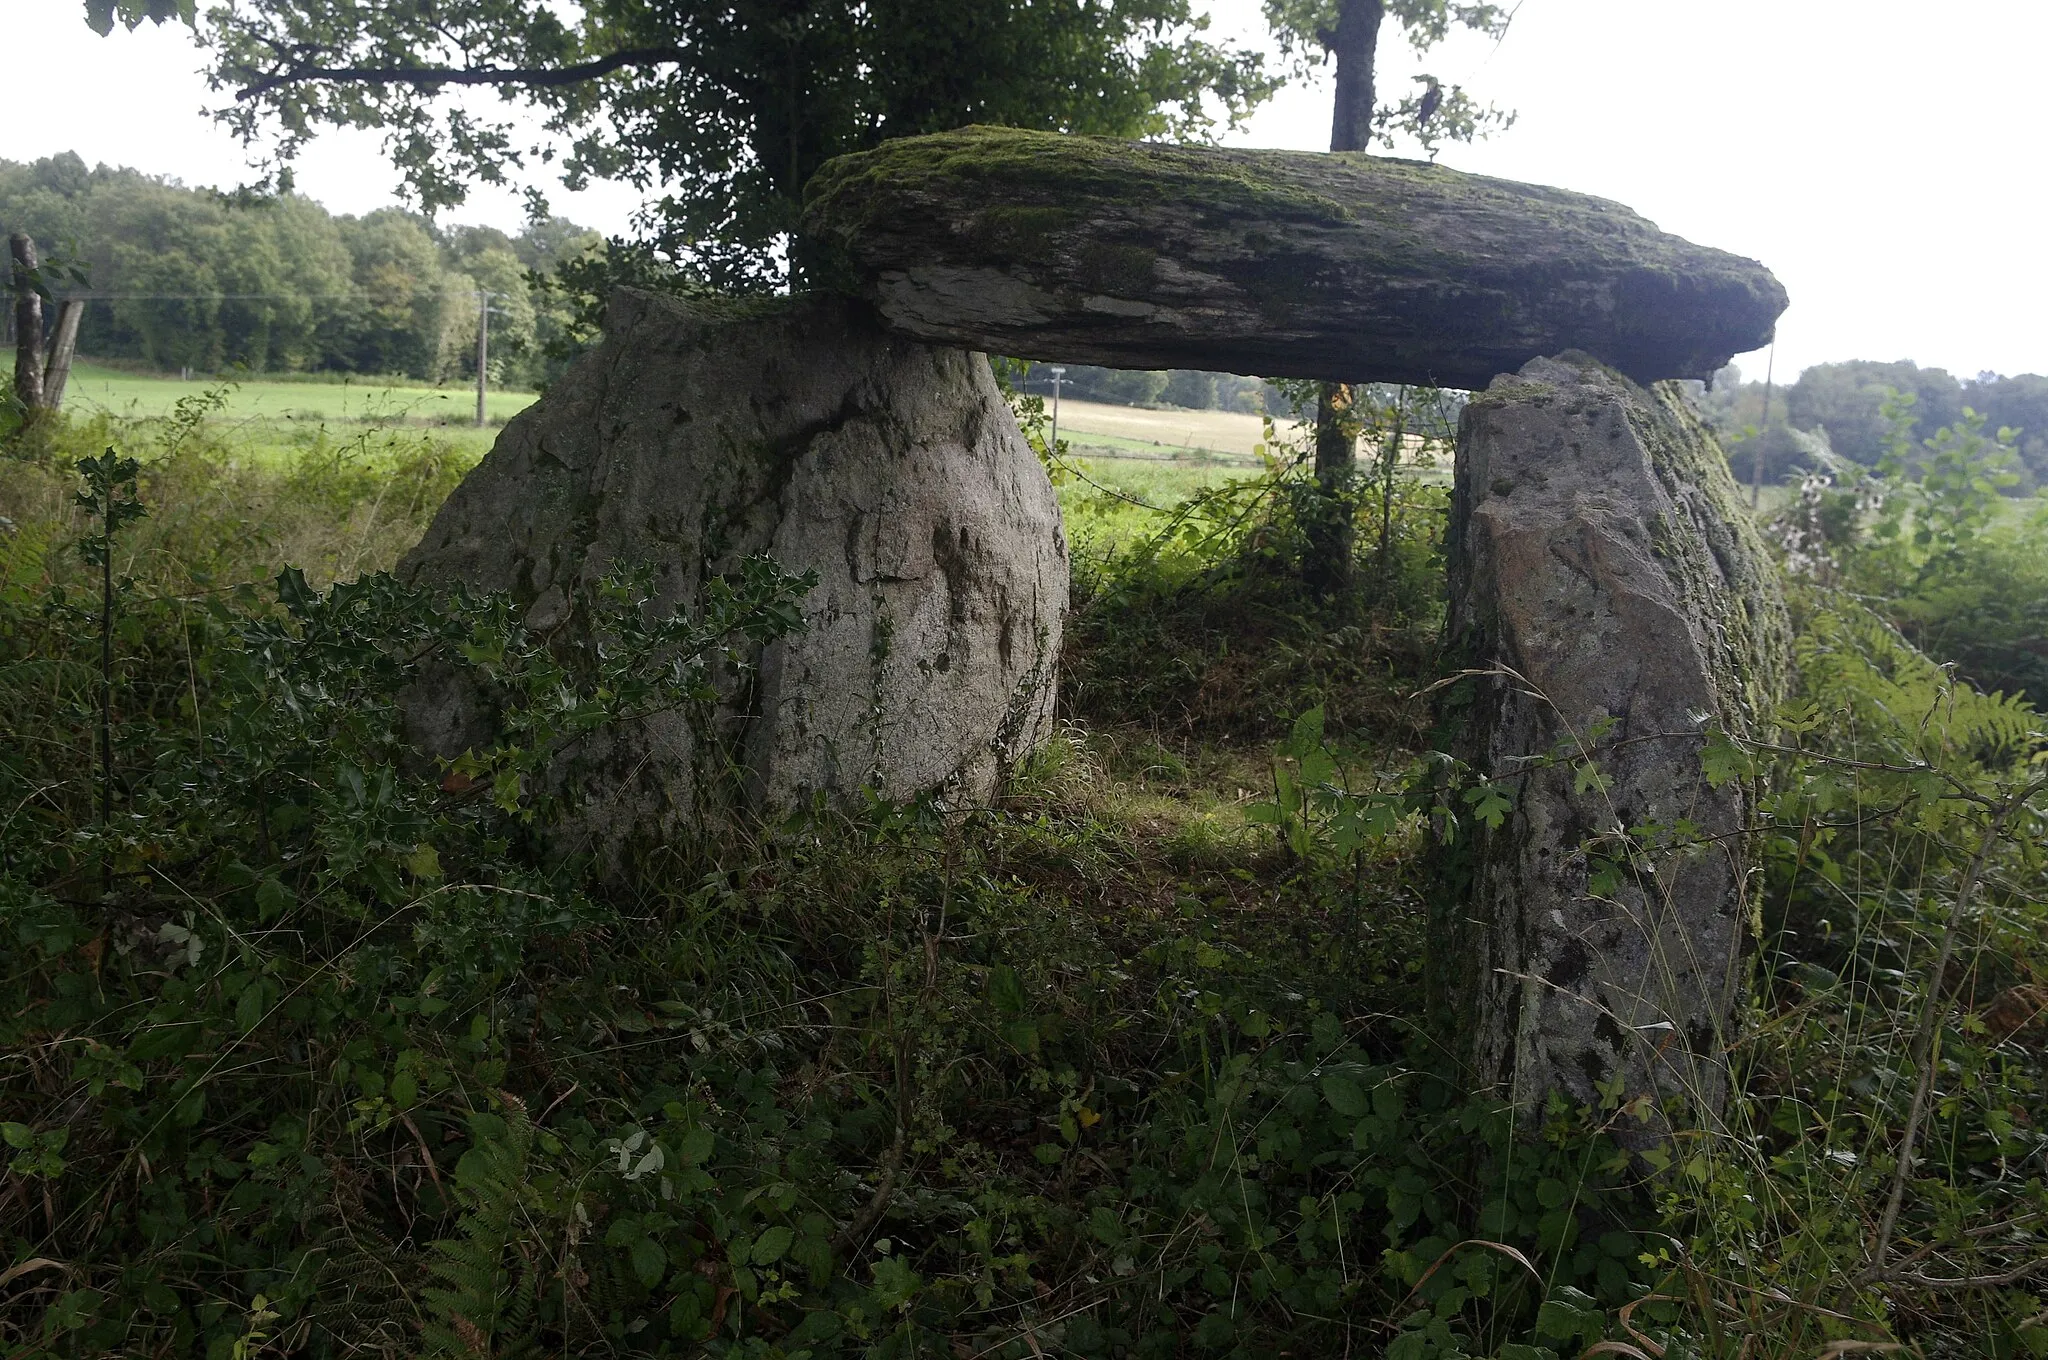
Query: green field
point(94, 388)
point(1123, 463)
point(274, 418)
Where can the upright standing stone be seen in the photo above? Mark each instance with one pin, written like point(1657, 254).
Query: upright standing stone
point(701, 432)
point(1603, 570)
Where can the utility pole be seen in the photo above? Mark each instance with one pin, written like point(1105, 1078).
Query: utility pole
point(1057, 373)
point(1756, 484)
point(483, 351)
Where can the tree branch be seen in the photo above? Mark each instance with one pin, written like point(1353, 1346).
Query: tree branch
point(1997, 1280)
point(301, 72)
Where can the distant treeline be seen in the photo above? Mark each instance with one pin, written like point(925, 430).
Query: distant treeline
point(1188, 388)
point(192, 278)
point(1847, 401)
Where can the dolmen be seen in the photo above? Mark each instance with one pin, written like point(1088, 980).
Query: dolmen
point(1283, 264)
point(1610, 606)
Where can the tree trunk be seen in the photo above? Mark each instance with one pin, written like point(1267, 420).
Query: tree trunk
point(28, 324)
point(63, 344)
point(1355, 43)
point(1331, 532)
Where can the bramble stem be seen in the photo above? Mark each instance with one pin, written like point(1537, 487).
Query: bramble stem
point(1926, 1043)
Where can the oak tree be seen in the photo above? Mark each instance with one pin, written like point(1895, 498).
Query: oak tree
point(720, 110)
point(1346, 33)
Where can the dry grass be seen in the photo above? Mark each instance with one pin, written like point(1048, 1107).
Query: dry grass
point(1171, 431)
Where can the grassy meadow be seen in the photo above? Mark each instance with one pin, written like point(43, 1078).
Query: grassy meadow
point(289, 397)
point(1124, 466)
point(273, 416)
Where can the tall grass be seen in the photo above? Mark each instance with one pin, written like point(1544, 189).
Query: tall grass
point(344, 1063)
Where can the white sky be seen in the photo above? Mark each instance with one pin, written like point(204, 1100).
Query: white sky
point(1883, 157)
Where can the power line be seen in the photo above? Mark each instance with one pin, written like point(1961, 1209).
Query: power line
point(250, 297)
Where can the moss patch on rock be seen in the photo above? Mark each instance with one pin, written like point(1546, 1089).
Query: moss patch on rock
point(1283, 263)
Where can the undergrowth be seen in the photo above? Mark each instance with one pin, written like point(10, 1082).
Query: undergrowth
point(1192, 620)
point(1928, 539)
point(315, 1048)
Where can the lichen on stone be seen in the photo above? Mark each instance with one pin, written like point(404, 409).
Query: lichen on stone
point(1604, 580)
point(1342, 266)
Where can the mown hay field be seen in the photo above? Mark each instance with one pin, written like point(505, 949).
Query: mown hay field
point(1136, 429)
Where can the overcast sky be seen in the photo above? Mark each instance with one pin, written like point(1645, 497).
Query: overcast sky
point(1884, 158)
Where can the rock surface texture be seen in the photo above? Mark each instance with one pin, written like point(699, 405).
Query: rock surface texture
point(1345, 266)
point(1598, 552)
point(699, 433)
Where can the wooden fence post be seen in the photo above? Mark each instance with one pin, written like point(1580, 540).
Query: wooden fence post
point(63, 345)
point(28, 323)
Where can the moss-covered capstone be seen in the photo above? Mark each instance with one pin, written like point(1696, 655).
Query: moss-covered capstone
point(1617, 607)
point(1281, 263)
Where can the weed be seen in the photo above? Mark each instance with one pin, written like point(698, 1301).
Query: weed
point(344, 1061)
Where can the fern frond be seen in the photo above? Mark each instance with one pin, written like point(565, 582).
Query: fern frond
point(483, 1307)
point(1851, 660)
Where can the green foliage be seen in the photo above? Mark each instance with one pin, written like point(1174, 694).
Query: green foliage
point(372, 1070)
point(723, 113)
point(1844, 405)
point(279, 872)
point(1190, 389)
point(1320, 816)
point(347, 1060)
point(1195, 617)
point(132, 14)
point(210, 281)
point(1932, 537)
point(1903, 834)
point(1848, 400)
point(336, 504)
point(481, 1306)
point(1307, 33)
